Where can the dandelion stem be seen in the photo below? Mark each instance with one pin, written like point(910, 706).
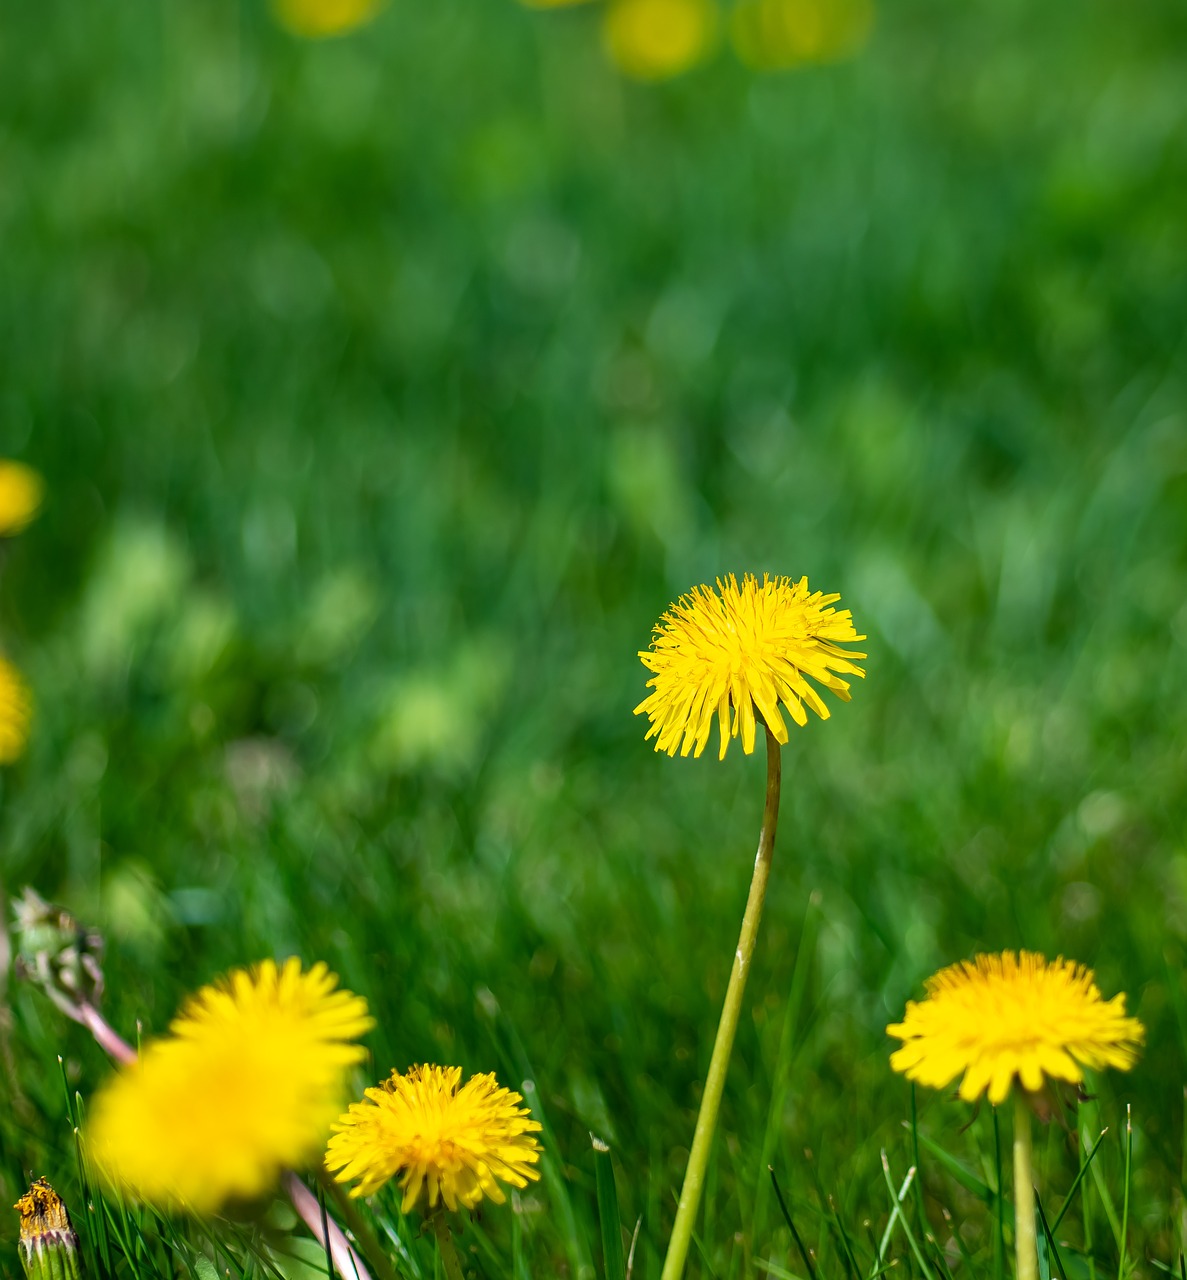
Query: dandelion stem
point(1025, 1248)
point(347, 1263)
point(449, 1258)
point(698, 1159)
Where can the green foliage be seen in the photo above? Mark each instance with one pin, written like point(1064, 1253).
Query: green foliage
point(387, 389)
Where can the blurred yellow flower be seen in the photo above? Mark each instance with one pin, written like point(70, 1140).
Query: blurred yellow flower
point(743, 649)
point(657, 39)
point(21, 492)
point(450, 1145)
point(770, 35)
point(319, 19)
point(1006, 1017)
point(246, 1085)
point(552, 4)
point(16, 713)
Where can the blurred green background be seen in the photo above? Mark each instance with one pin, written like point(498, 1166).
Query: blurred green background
point(388, 388)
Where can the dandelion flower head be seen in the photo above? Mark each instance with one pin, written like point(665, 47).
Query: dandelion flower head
point(21, 492)
point(658, 39)
point(1004, 1017)
point(446, 1143)
point(246, 1084)
point(16, 713)
point(731, 652)
point(322, 19)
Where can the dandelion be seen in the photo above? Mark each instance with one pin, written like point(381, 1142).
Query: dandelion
point(1006, 1019)
point(737, 651)
point(16, 713)
point(449, 1144)
point(48, 1244)
point(658, 39)
point(735, 655)
point(246, 1085)
point(21, 492)
point(321, 19)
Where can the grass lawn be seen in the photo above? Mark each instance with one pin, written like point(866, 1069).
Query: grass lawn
point(387, 389)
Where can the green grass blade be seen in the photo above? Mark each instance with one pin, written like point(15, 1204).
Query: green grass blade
point(1076, 1181)
point(902, 1217)
point(614, 1267)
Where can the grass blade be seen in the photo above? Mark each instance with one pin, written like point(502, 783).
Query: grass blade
point(614, 1268)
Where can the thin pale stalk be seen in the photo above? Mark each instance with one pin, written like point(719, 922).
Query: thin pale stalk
point(347, 1263)
point(449, 1259)
point(698, 1159)
point(1025, 1248)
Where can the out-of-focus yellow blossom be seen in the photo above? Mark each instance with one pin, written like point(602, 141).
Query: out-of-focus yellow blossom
point(658, 39)
point(16, 713)
point(771, 35)
point(320, 19)
point(552, 4)
point(21, 492)
point(245, 1086)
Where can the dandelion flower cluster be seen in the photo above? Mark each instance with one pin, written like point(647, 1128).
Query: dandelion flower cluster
point(16, 713)
point(448, 1144)
point(21, 492)
point(321, 19)
point(737, 650)
point(247, 1084)
point(1008, 1016)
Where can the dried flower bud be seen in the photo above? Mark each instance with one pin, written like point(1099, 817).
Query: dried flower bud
point(48, 1245)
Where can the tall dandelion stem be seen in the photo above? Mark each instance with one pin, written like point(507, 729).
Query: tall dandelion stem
point(698, 1160)
point(449, 1258)
point(1024, 1191)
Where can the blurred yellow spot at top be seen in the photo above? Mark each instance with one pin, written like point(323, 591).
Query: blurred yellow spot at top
point(657, 39)
point(552, 4)
point(21, 491)
point(771, 35)
point(319, 19)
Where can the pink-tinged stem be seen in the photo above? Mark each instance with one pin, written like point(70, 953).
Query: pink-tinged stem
point(347, 1263)
point(113, 1045)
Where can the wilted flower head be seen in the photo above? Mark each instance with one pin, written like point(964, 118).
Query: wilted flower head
point(245, 1085)
point(57, 953)
point(447, 1144)
point(1004, 1017)
point(728, 653)
point(16, 713)
point(48, 1243)
point(21, 492)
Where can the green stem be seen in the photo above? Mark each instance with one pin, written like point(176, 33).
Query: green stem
point(368, 1241)
point(1025, 1251)
point(449, 1258)
point(702, 1141)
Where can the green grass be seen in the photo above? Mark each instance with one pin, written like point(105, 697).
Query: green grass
point(388, 389)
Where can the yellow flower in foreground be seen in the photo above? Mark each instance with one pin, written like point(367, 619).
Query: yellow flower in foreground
point(247, 1084)
point(743, 648)
point(16, 713)
point(657, 39)
point(1003, 1017)
point(450, 1144)
point(21, 492)
point(318, 19)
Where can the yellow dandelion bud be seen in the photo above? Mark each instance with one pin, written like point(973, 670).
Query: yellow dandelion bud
point(246, 1085)
point(320, 19)
point(744, 649)
point(658, 39)
point(21, 492)
point(1010, 1017)
point(447, 1144)
point(16, 713)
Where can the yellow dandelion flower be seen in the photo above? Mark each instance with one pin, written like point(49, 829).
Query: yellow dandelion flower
point(16, 713)
point(771, 35)
point(320, 19)
point(246, 1085)
point(747, 649)
point(21, 492)
point(448, 1144)
point(658, 39)
point(1005, 1017)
